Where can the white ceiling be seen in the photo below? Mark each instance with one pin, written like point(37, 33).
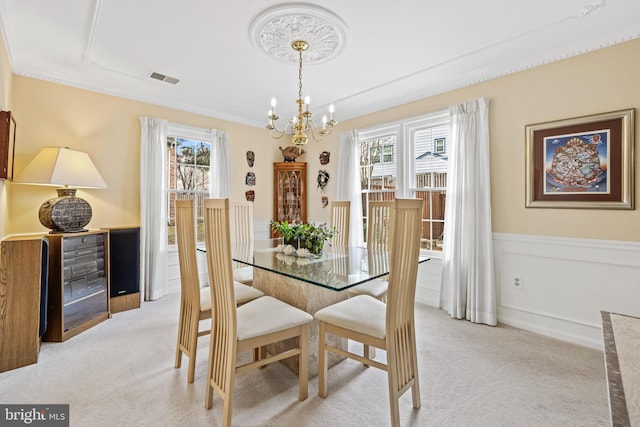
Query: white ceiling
point(396, 52)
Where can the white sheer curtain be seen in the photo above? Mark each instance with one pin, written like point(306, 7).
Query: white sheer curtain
point(219, 171)
point(153, 207)
point(348, 179)
point(468, 286)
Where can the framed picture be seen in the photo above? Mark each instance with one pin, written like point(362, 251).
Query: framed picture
point(584, 162)
point(7, 144)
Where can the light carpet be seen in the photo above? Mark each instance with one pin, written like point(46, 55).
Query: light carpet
point(121, 373)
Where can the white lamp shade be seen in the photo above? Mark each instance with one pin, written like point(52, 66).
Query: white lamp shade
point(61, 166)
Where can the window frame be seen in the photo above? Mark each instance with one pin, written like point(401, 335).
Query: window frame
point(405, 155)
point(197, 135)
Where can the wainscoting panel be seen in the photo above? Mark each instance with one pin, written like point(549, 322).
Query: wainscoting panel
point(428, 282)
point(557, 286)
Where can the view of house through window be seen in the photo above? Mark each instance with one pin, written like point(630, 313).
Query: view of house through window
point(377, 171)
point(188, 164)
point(408, 159)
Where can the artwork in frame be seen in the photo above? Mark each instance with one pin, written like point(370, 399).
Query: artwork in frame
point(584, 162)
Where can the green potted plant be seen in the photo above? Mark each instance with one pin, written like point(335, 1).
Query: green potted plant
point(287, 231)
point(308, 236)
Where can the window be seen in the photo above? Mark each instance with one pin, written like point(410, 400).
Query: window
point(188, 164)
point(408, 159)
point(377, 168)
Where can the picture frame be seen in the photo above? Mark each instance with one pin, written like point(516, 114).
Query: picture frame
point(581, 163)
point(7, 144)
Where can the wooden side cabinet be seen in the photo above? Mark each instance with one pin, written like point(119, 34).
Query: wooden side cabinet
point(78, 283)
point(290, 191)
point(20, 281)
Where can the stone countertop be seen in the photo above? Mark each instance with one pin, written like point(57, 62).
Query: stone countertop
point(621, 335)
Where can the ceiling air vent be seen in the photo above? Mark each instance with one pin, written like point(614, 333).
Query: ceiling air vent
point(164, 78)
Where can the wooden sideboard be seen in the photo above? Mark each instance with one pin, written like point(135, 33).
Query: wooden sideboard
point(20, 300)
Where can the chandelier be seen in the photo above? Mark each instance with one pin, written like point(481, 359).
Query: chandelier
point(301, 125)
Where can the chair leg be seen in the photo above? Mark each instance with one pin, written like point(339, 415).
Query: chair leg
point(192, 367)
point(303, 363)
point(178, 356)
point(394, 410)
point(227, 409)
point(180, 332)
point(415, 394)
point(322, 363)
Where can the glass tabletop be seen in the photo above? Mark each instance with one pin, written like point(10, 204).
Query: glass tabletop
point(337, 269)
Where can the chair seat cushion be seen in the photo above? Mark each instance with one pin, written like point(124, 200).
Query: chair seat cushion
point(361, 313)
point(244, 294)
point(376, 288)
point(243, 274)
point(266, 315)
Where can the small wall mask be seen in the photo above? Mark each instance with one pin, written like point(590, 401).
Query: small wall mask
point(250, 195)
point(323, 179)
point(324, 157)
point(251, 156)
point(250, 179)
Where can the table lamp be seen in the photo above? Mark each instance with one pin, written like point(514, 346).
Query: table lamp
point(61, 166)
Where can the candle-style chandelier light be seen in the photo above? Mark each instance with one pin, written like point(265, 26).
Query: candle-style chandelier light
point(302, 125)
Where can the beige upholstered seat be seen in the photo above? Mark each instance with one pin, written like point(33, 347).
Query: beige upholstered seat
point(387, 326)
point(241, 217)
point(195, 303)
point(379, 231)
point(256, 324)
point(340, 214)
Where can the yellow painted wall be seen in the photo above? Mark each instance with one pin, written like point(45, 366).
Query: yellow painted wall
point(6, 83)
point(600, 81)
point(108, 129)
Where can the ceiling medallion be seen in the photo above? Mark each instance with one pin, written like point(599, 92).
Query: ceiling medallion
point(275, 29)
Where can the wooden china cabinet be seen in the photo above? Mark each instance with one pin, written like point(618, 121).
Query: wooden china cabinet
point(290, 191)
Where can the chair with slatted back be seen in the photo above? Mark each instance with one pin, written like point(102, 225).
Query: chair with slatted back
point(340, 215)
point(241, 217)
point(389, 326)
point(379, 231)
point(195, 302)
point(253, 325)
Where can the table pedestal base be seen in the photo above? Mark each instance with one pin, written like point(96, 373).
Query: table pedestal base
point(309, 298)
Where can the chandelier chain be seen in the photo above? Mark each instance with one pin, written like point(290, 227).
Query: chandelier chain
point(302, 125)
point(300, 76)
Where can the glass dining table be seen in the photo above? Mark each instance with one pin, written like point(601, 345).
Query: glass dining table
point(337, 269)
point(310, 282)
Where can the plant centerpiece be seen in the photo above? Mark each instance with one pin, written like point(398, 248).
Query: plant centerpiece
point(301, 235)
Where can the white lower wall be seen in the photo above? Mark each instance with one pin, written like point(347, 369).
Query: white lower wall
point(565, 283)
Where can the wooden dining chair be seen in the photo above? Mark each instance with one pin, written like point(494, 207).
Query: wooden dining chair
point(340, 218)
point(379, 232)
point(389, 326)
point(241, 220)
point(253, 325)
point(195, 302)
